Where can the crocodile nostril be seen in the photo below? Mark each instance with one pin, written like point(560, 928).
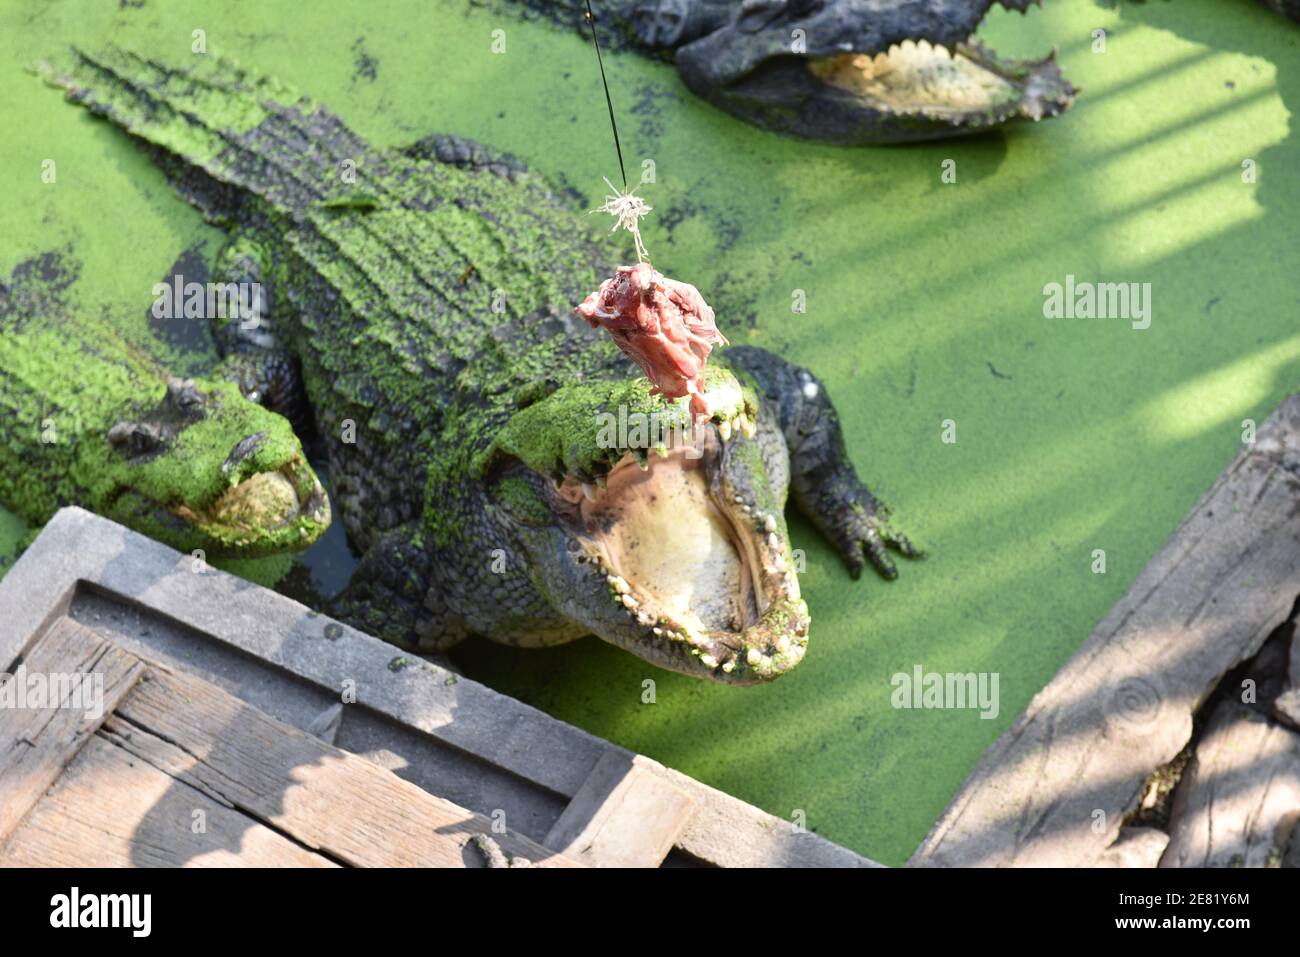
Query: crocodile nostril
point(757, 14)
point(660, 23)
point(135, 438)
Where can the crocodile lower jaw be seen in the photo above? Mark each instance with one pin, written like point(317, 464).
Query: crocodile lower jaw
point(968, 85)
point(703, 579)
point(263, 505)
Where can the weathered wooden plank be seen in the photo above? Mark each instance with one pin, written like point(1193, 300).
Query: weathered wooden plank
point(110, 810)
point(1239, 798)
point(1286, 707)
point(1136, 847)
point(462, 714)
point(84, 677)
point(1122, 706)
point(504, 753)
point(624, 815)
point(324, 798)
point(727, 832)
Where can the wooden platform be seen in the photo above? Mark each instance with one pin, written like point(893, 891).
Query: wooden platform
point(169, 770)
point(1057, 787)
point(240, 727)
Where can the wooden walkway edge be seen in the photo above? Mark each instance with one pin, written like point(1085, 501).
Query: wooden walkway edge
point(1054, 789)
point(483, 752)
point(170, 752)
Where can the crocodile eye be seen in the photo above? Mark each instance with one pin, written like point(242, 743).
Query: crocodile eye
point(135, 438)
point(756, 14)
point(183, 395)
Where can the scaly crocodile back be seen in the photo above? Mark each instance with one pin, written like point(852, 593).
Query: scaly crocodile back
point(421, 297)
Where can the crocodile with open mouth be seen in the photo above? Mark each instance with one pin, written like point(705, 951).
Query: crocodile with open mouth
point(843, 71)
point(500, 465)
point(87, 419)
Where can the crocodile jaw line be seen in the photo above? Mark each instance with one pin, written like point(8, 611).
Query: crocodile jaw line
point(703, 579)
point(917, 77)
point(263, 502)
point(888, 77)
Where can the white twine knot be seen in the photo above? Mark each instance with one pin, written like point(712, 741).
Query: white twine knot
point(627, 209)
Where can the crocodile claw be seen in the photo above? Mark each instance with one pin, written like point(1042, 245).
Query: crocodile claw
point(865, 534)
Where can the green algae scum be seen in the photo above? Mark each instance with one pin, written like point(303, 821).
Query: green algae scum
point(91, 421)
point(1012, 446)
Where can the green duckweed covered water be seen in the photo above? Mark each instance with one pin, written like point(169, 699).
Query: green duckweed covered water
point(924, 304)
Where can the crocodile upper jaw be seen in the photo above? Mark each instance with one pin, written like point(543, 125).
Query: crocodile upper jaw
point(688, 572)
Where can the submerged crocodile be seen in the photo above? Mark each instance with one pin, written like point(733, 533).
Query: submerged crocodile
point(86, 419)
point(842, 71)
point(501, 466)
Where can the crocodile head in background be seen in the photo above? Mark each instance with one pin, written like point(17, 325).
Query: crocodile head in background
point(92, 418)
point(848, 71)
point(205, 468)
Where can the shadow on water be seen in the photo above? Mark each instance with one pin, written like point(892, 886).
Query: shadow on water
point(1260, 33)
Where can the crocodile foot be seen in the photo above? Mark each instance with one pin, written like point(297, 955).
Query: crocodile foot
point(858, 526)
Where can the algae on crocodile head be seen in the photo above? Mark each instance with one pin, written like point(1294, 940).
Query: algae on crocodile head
point(93, 420)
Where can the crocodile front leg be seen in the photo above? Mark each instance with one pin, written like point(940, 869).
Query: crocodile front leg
point(823, 482)
point(252, 355)
point(390, 596)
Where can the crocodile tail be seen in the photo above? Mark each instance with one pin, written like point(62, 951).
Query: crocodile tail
point(222, 131)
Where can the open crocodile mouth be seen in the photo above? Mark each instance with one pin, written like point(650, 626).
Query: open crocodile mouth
point(701, 576)
point(264, 504)
point(967, 85)
point(872, 75)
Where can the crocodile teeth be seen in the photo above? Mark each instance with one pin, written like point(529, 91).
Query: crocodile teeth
point(747, 426)
point(724, 430)
point(589, 492)
point(630, 602)
point(618, 584)
point(769, 523)
point(692, 637)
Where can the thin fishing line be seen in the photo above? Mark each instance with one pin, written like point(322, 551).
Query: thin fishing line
point(618, 147)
